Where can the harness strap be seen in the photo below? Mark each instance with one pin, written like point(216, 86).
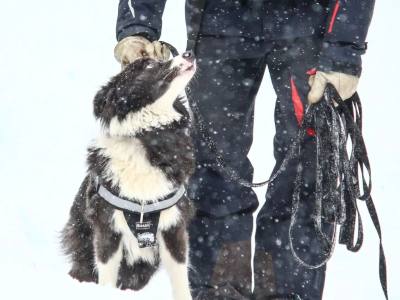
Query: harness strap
point(129, 205)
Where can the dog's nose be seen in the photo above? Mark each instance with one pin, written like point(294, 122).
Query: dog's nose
point(188, 55)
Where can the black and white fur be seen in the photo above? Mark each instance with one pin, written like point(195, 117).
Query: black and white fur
point(144, 152)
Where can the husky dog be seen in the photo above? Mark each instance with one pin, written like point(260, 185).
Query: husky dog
point(143, 158)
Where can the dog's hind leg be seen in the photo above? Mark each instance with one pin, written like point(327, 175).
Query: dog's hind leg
point(174, 257)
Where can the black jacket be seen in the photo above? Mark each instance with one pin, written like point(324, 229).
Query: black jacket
point(244, 28)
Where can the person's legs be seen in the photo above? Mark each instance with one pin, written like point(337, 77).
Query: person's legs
point(277, 274)
point(220, 248)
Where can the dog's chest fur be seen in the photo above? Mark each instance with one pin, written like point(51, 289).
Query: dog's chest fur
point(146, 167)
point(171, 151)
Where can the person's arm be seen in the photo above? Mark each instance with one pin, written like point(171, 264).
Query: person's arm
point(343, 45)
point(140, 17)
point(345, 35)
point(139, 25)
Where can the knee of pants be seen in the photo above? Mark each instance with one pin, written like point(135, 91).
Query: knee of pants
point(220, 253)
point(225, 273)
point(275, 266)
point(273, 234)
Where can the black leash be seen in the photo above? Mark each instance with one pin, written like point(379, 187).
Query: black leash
point(337, 176)
point(337, 186)
point(338, 181)
point(220, 165)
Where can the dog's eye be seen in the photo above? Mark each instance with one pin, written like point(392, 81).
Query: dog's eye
point(150, 66)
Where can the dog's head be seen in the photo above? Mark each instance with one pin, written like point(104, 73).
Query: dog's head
point(142, 96)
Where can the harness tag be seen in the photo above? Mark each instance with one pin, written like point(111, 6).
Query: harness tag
point(145, 234)
point(144, 231)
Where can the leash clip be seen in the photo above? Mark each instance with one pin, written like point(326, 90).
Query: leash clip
point(142, 213)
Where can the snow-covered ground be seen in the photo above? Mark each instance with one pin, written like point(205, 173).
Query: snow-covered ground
point(54, 55)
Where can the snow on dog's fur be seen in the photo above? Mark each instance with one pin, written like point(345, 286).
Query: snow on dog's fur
point(143, 153)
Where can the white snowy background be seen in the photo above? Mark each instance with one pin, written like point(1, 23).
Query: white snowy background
point(54, 55)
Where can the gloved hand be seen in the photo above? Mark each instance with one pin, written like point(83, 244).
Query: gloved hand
point(345, 84)
point(134, 47)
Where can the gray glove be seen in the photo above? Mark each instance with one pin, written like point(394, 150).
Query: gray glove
point(345, 84)
point(134, 47)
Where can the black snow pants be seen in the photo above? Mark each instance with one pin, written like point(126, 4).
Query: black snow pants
point(220, 234)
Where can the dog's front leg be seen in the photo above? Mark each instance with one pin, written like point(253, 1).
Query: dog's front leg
point(174, 257)
point(108, 259)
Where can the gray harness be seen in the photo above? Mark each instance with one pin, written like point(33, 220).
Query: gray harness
point(144, 230)
point(133, 205)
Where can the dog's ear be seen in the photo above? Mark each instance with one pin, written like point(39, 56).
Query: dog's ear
point(102, 103)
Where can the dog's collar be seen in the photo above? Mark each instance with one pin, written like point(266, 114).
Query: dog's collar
point(132, 205)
